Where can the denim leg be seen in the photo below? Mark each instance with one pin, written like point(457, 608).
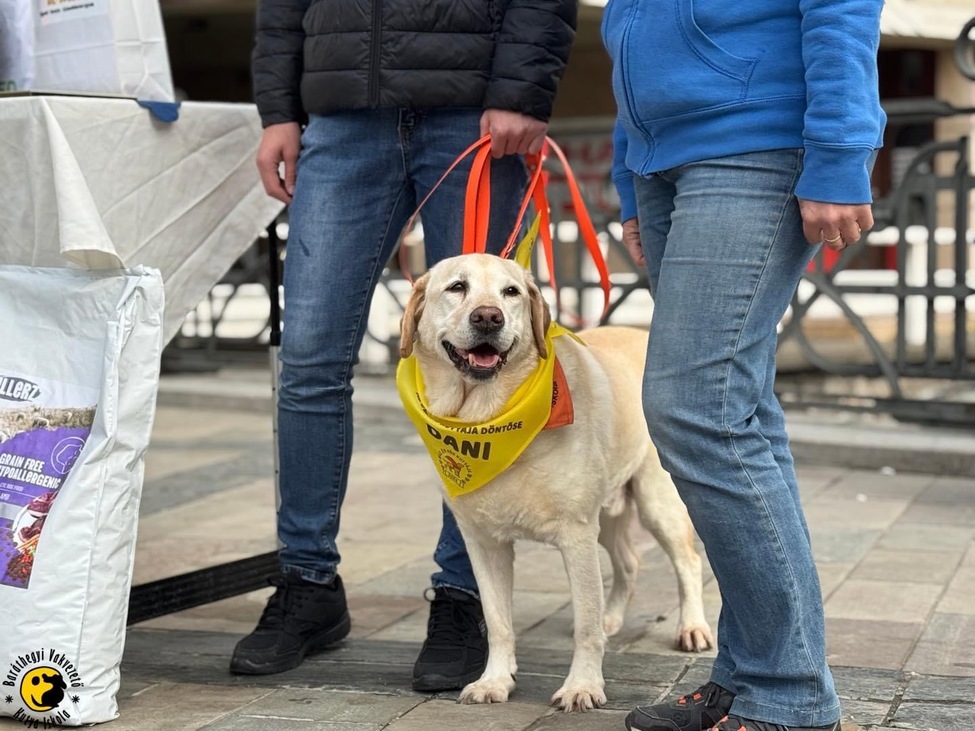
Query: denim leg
point(441, 135)
point(770, 415)
point(351, 199)
point(656, 198)
point(730, 261)
point(455, 570)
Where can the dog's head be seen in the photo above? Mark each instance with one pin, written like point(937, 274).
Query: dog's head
point(476, 312)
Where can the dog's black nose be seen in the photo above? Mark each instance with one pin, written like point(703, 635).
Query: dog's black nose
point(487, 319)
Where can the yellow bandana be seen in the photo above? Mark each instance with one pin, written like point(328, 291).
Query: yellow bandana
point(469, 455)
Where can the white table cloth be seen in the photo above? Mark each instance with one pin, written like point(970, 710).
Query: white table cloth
point(100, 183)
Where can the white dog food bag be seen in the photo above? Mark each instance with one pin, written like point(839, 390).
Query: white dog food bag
point(79, 370)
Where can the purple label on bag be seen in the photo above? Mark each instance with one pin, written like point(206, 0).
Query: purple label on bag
point(38, 447)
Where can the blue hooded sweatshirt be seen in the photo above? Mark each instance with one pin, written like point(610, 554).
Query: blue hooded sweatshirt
point(700, 79)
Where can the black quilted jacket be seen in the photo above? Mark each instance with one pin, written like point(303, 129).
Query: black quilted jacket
point(322, 56)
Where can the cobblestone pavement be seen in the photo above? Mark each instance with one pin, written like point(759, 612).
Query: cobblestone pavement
point(895, 550)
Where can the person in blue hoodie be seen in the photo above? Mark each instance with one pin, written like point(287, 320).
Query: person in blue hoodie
point(746, 134)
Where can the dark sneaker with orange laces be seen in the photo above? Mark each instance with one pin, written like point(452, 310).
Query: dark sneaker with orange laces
point(736, 723)
point(697, 711)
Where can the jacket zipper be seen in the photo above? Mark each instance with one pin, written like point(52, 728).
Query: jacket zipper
point(377, 19)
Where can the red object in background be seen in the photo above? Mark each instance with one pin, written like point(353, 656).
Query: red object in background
point(829, 258)
point(877, 257)
point(890, 257)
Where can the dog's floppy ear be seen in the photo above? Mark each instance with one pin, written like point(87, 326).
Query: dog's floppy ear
point(541, 318)
point(411, 317)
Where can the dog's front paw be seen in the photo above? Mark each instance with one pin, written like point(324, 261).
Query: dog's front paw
point(579, 697)
point(694, 638)
point(487, 690)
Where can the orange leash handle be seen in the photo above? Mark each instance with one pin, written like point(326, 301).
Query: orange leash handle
point(477, 211)
point(481, 144)
point(477, 202)
point(586, 230)
point(534, 163)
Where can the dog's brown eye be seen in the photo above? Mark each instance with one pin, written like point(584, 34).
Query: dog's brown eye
point(457, 287)
point(511, 292)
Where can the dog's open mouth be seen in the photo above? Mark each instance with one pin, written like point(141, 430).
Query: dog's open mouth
point(482, 361)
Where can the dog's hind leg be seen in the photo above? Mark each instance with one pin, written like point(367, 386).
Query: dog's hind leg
point(583, 688)
point(614, 535)
point(493, 564)
point(663, 514)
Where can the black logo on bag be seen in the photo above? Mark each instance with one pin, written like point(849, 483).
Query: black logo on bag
point(40, 689)
point(18, 389)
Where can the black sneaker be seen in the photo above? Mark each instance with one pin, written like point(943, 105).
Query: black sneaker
point(300, 618)
point(697, 711)
point(455, 651)
point(735, 723)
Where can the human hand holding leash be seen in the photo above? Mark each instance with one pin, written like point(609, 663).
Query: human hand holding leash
point(512, 132)
point(836, 225)
point(280, 143)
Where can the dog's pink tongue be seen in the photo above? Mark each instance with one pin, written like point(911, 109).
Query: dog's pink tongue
point(483, 361)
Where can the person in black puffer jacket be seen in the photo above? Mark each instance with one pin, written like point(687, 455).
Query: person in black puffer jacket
point(365, 103)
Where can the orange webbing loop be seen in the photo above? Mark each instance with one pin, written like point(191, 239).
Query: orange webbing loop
point(535, 193)
point(477, 210)
point(477, 202)
point(533, 162)
point(404, 266)
point(586, 230)
point(545, 234)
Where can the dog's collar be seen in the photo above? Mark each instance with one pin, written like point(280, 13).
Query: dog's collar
point(469, 455)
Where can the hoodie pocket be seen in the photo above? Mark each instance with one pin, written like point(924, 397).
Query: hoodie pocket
point(675, 68)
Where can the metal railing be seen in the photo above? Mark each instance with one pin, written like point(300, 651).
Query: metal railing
point(925, 222)
point(926, 215)
point(933, 285)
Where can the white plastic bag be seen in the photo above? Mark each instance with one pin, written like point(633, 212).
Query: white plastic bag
point(79, 370)
point(16, 45)
point(98, 47)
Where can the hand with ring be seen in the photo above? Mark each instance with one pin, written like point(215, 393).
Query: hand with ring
point(834, 224)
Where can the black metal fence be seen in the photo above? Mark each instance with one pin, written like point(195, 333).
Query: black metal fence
point(925, 225)
point(926, 222)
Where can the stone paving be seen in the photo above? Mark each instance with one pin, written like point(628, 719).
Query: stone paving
point(895, 551)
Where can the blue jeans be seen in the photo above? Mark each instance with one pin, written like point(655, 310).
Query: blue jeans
point(360, 177)
point(725, 251)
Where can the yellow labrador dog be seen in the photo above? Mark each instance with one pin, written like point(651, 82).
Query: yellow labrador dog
point(476, 324)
